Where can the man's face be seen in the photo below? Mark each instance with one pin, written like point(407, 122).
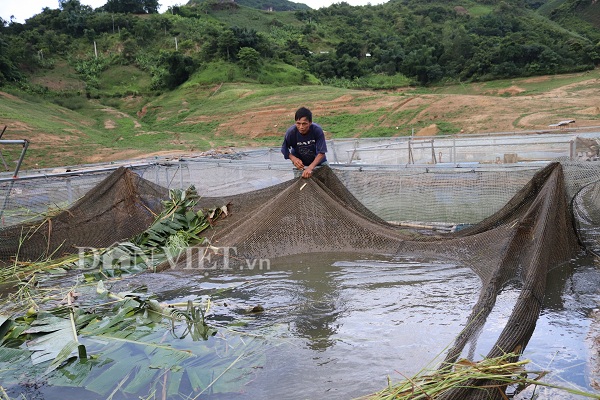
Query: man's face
point(303, 125)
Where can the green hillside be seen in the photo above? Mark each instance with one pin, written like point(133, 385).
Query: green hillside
point(273, 5)
point(428, 43)
point(581, 16)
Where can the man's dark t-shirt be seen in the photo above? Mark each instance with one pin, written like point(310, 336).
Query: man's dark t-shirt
point(305, 147)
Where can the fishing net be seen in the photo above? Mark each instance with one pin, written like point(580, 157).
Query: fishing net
point(509, 225)
point(119, 207)
point(524, 239)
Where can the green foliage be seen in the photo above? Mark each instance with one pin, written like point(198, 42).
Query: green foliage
point(396, 44)
point(8, 70)
point(275, 5)
point(428, 43)
point(447, 128)
point(348, 125)
point(281, 74)
point(579, 16)
point(178, 68)
point(124, 80)
point(478, 10)
point(71, 102)
point(90, 70)
point(124, 344)
point(217, 72)
point(74, 16)
point(108, 343)
point(496, 373)
point(227, 44)
point(194, 117)
point(249, 59)
point(379, 81)
point(132, 6)
point(258, 20)
point(178, 225)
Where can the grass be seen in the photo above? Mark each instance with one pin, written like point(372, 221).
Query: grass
point(447, 128)
point(121, 80)
point(480, 10)
point(388, 82)
point(345, 125)
point(215, 73)
point(60, 76)
point(547, 7)
point(533, 85)
point(274, 73)
point(260, 21)
point(493, 374)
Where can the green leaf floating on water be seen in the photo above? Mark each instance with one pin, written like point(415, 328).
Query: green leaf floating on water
point(137, 346)
point(52, 335)
point(129, 342)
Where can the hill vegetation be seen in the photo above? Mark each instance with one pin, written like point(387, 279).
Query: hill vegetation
point(423, 42)
point(123, 79)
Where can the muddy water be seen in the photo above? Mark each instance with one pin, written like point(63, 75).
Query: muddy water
point(339, 326)
point(563, 341)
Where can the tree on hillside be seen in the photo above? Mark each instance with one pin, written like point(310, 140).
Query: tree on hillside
point(249, 59)
point(110, 22)
point(422, 64)
point(179, 66)
point(323, 65)
point(296, 46)
point(8, 71)
point(457, 46)
point(348, 67)
point(351, 47)
point(227, 43)
point(427, 41)
point(132, 6)
point(388, 57)
point(245, 37)
point(74, 16)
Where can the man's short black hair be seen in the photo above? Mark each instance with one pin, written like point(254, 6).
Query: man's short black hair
point(303, 112)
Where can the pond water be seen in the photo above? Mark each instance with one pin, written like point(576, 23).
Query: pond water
point(337, 326)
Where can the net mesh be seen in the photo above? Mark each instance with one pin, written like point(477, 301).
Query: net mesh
point(508, 223)
point(530, 234)
point(119, 207)
point(587, 215)
point(466, 149)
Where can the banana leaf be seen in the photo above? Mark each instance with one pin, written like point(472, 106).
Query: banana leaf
point(52, 334)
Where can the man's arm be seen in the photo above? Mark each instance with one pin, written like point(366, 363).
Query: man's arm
point(285, 150)
point(296, 161)
point(285, 147)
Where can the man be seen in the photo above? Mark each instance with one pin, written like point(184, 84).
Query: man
point(304, 143)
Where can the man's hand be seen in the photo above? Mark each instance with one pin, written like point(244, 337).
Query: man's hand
point(297, 162)
point(307, 173)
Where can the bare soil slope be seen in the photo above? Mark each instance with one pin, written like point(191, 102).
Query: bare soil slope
point(502, 110)
point(510, 106)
